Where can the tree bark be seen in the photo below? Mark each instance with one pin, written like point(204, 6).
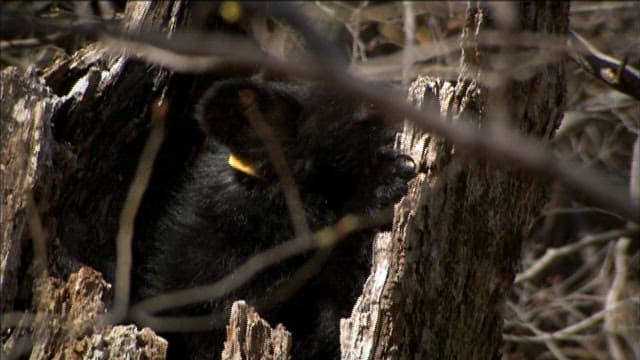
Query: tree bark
point(251, 337)
point(26, 149)
point(70, 139)
point(440, 278)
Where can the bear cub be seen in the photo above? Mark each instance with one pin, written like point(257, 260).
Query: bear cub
point(230, 205)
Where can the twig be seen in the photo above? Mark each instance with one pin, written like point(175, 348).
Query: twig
point(570, 332)
point(128, 214)
point(353, 25)
point(409, 36)
point(278, 160)
point(552, 254)
point(327, 237)
point(599, 258)
point(580, 210)
point(508, 149)
point(634, 181)
point(611, 319)
point(615, 73)
point(30, 42)
point(549, 343)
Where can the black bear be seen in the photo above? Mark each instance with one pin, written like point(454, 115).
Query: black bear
point(230, 205)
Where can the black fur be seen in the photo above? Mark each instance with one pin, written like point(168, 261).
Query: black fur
point(341, 157)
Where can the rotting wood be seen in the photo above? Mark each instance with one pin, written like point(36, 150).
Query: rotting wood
point(251, 337)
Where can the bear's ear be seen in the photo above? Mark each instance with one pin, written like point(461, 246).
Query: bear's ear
point(223, 112)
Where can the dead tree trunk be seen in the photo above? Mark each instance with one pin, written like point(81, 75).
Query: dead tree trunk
point(439, 280)
point(70, 138)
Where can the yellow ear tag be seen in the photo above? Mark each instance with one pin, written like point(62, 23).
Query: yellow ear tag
point(242, 165)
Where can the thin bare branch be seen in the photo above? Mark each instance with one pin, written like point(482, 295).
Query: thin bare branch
point(553, 254)
point(276, 155)
point(128, 214)
point(553, 347)
point(508, 148)
point(327, 237)
point(572, 332)
point(634, 181)
point(615, 73)
point(612, 317)
point(409, 36)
